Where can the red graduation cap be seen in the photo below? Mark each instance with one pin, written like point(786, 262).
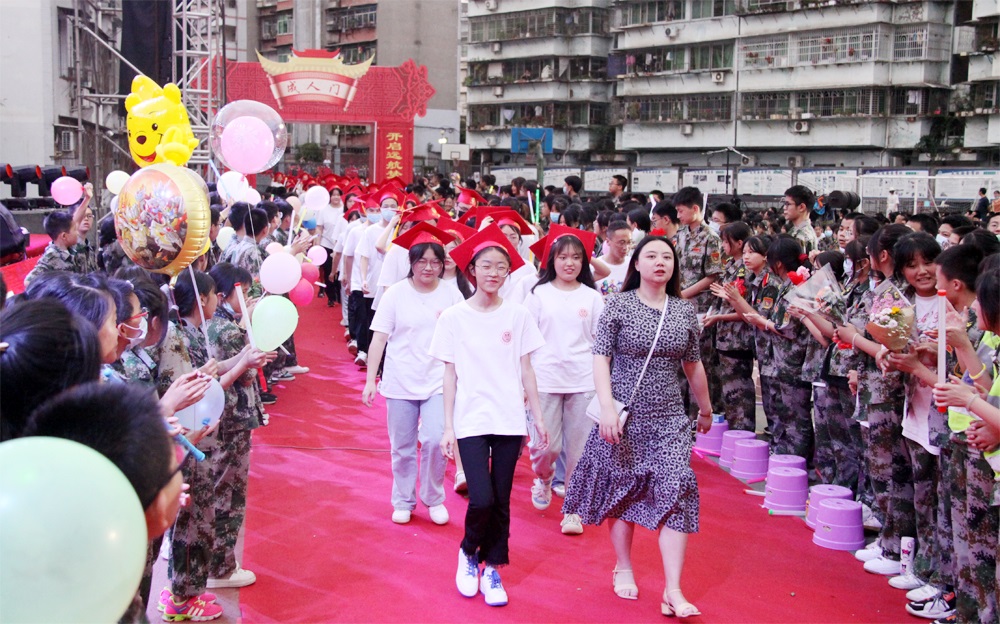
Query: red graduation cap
point(505, 216)
point(490, 236)
point(394, 181)
point(411, 199)
point(423, 233)
point(557, 231)
point(463, 232)
point(389, 193)
point(469, 197)
point(424, 212)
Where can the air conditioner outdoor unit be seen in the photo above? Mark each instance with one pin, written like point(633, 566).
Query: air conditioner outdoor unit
point(799, 127)
point(67, 141)
point(498, 91)
point(491, 5)
point(687, 129)
point(749, 161)
point(491, 141)
point(718, 77)
point(796, 161)
point(670, 32)
point(497, 47)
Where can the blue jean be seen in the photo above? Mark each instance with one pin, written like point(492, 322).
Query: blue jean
point(411, 422)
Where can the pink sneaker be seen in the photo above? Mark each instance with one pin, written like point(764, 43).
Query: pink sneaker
point(194, 609)
point(165, 597)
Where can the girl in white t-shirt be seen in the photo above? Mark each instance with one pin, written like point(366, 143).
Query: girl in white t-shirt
point(412, 380)
point(566, 305)
point(486, 345)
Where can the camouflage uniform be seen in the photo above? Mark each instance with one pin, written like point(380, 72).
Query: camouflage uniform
point(792, 431)
point(137, 366)
point(213, 255)
point(232, 464)
point(281, 236)
point(699, 256)
point(734, 346)
point(113, 258)
point(806, 236)
point(55, 258)
point(245, 254)
point(763, 294)
point(85, 257)
point(880, 404)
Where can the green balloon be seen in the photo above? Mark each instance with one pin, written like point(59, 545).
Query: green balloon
point(72, 534)
point(274, 321)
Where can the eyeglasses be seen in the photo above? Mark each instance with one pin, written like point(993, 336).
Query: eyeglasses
point(500, 270)
point(423, 264)
point(142, 313)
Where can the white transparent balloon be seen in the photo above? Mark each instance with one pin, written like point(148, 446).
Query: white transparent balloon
point(248, 108)
point(232, 186)
point(225, 237)
point(252, 197)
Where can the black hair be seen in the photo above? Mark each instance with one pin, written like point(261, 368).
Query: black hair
point(574, 182)
point(572, 216)
point(106, 233)
point(472, 262)
point(622, 181)
point(633, 278)
point(736, 232)
point(57, 222)
point(885, 239)
point(962, 263)
point(184, 295)
point(732, 213)
point(927, 223)
point(216, 214)
point(801, 195)
point(286, 209)
point(586, 276)
point(490, 179)
point(640, 217)
point(956, 221)
point(119, 291)
point(758, 244)
point(666, 209)
point(48, 350)
point(3, 292)
point(786, 250)
point(617, 226)
point(238, 214)
point(153, 300)
point(988, 293)
point(226, 275)
point(984, 241)
point(417, 252)
point(619, 217)
point(256, 222)
point(836, 261)
point(690, 196)
point(909, 247)
point(121, 422)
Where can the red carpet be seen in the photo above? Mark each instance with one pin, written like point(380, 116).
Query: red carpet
point(323, 547)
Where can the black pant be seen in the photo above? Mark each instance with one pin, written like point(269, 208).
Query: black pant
point(487, 520)
point(356, 315)
point(328, 277)
point(367, 334)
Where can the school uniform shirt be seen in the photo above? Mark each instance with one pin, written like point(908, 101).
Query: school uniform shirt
point(734, 336)
point(612, 284)
point(409, 317)
point(700, 251)
point(486, 349)
point(55, 258)
point(568, 323)
point(395, 266)
point(350, 251)
point(243, 408)
point(136, 366)
point(366, 249)
point(328, 217)
point(919, 402)
point(341, 245)
point(806, 236)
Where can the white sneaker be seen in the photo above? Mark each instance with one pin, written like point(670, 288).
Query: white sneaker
point(467, 577)
point(265, 419)
point(868, 519)
point(571, 525)
point(869, 552)
point(883, 566)
point(439, 514)
point(352, 347)
point(239, 578)
point(905, 581)
point(541, 494)
point(492, 587)
point(401, 516)
point(297, 370)
point(559, 489)
point(924, 592)
point(460, 485)
point(362, 359)
point(343, 322)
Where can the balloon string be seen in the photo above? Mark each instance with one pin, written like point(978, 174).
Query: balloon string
point(201, 308)
point(244, 315)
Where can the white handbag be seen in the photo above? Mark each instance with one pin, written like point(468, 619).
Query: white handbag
point(594, 407)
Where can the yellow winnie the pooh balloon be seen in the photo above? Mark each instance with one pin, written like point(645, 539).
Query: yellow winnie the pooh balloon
point(158, 126)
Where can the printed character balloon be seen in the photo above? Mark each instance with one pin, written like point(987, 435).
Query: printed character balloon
point(163, 218)
point(248, 136)
point(157, 122)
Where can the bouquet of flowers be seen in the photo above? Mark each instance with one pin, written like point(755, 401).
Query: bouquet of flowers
point(821, 294)
point(892, 319)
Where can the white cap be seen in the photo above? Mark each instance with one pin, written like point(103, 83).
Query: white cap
point(892, 190)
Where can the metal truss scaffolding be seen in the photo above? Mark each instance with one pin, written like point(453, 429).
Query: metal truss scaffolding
point(199, 65)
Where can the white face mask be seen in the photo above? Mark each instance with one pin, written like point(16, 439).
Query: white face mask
point(715, 227)
point(848, 267)
point(143, 328)
point(943, 241)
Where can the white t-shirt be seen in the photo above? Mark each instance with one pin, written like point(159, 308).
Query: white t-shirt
point(409, 318)
point(612, 284)
point(486, 348)
point(919, 402)
point(395, 266)
point(327, 217)
point(338, 246)
point(511, 288)
point(366, 249)
point(354, 238)
point(568, 322)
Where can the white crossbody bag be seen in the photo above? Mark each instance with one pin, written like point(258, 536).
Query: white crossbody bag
point(594, 407)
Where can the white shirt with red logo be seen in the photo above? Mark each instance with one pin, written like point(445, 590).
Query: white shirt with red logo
point(568, 322)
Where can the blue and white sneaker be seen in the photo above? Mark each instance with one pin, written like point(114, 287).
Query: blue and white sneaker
point(467, 577)
point(492, 587)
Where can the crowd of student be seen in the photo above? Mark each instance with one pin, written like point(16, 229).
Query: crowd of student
point(485, 316)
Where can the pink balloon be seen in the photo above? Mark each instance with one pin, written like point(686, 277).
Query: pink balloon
point(302, 294)
point(247, 144)
point(280, 273)
point(273, 248)
point(317, 254)
point(310, 272)
point(66, 190)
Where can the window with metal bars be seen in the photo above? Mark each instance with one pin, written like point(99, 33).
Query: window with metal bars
point(839, 46)
point(540, 23)
point(909, 43)
point(655, 60)
point(677, 109)
point(767, 105)
point(868, 102)
point(648, 12)
point(711, 57)
point(712, 8)
point(911, 102)
point(764, 53)
point(984, 95)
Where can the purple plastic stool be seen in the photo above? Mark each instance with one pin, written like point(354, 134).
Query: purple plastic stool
point(787, 461)
point(729, 440)
point(711, 443)
point(818, 494)
point(750, 459)
point(838, 525)
point(787, 489)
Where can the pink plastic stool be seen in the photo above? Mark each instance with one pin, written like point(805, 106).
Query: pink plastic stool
point(750, 459)
point(838, 525)
point(787, 489)
point(711, 443)
point(818, 494)
point(787, 461)
point(729, 440)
